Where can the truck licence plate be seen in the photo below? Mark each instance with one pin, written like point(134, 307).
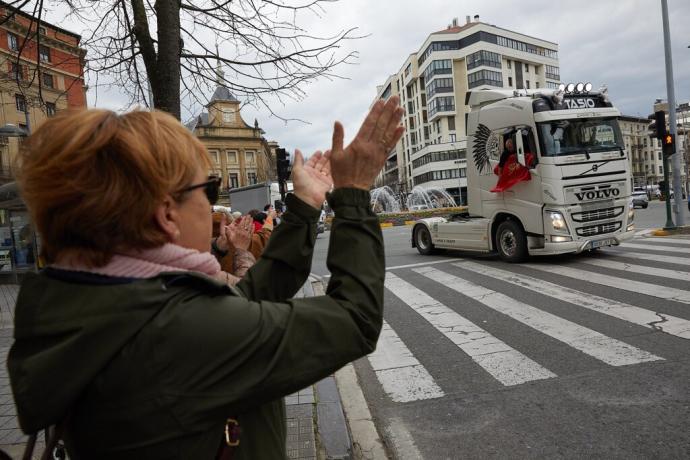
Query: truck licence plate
point(601, 243)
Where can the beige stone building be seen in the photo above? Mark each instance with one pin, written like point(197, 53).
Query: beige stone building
point(239, 152)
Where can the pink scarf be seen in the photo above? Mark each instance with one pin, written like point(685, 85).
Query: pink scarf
point(151, 262)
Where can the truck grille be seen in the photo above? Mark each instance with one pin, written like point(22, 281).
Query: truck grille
point(599, 229)
point(597, 214)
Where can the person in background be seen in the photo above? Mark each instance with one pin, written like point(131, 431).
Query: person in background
point(231, 244)
point(259, 219)
point(157, 358)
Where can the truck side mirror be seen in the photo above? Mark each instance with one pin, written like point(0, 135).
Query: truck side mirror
point(519, 147)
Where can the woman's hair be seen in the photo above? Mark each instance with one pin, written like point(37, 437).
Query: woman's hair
point(260, 217)
point(92, 179)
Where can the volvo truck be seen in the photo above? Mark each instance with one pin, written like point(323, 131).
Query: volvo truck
point(577, 196)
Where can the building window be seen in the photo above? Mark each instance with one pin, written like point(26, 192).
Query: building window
point(527, 83)
point(20, 101)
point(659, 153)
point(48, 80)
point(509, 64)
point(251, 178)
point(485, 77)
point(42, 30)
point(50, 109)
point(661, 171)
point(214, 156)
point(12, 42)
point(231, 156)
point(44, 53)
point(510, 82)
point(483, 57)
point(16, 71)
point(526, 68)
point(443, 66)
point(537, 84)
point(233, 180)
point(451, 123)
point(441, 104)
point(552, 72)
point(452, 137)
point(439, 85)
point(249, 157)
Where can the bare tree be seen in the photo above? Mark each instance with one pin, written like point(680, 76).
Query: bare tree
point(176, 48)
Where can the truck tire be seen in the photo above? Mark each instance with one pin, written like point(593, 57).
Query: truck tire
point(422, 240)
point(511, 242)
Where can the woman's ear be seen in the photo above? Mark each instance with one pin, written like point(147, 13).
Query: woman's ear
point(167, 217)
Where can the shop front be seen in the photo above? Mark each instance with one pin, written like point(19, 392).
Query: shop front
point(19, 244)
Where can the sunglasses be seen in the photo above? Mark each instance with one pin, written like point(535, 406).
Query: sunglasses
point(211, 188)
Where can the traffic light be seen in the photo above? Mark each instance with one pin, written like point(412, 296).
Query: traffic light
point(657, 128)
point(282, 164)
point(668, 144)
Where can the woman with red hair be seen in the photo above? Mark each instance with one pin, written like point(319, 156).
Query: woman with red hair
point(154, 354)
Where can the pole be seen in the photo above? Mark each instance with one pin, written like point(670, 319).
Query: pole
point(667, 197)
point(679, 209)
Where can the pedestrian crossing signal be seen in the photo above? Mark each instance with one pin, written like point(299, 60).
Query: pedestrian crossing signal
point(668, 144)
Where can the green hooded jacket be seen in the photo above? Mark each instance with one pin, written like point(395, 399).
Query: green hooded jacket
point(152, 368)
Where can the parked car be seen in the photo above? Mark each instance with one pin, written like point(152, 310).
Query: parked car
point(640, 198)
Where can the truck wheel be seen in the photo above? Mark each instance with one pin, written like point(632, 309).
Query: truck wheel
point(422, 239)
point(511, 242)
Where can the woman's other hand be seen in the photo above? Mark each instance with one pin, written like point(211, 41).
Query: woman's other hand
point(312, 180)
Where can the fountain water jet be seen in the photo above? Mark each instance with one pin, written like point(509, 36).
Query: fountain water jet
point(428, 198)
point(383, 200)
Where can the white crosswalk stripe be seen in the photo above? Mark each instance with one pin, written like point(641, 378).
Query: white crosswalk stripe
point(632, 268)
point(643, 317)
point(652, 257)
point(405, 379)
point(505, 364)
point(654, 290)
point(664, 240)
point(653, 247)
point(588, 341)
point(402, 377)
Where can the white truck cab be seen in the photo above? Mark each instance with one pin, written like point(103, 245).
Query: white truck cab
point(578, 196)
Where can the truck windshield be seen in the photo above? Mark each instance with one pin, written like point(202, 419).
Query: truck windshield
point(568, 137)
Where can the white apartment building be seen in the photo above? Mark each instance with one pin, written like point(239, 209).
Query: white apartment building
point(432, 84)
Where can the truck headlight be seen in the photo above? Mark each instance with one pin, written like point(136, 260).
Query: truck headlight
point(631, 212)
point(557, 222)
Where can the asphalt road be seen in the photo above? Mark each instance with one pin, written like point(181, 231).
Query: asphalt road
point(564, 357)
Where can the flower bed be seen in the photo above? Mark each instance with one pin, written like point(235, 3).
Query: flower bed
point(401, 218)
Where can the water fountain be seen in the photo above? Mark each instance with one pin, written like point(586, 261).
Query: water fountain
point(383, 200)
point(428, 198)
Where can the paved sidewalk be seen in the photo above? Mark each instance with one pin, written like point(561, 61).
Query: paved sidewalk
point(304, 424)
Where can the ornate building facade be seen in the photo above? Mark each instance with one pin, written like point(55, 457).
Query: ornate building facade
point(240, 153)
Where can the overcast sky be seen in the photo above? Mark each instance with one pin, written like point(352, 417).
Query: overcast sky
point(616, 42)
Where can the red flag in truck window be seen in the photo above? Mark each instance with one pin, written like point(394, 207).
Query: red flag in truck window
point(512, 172)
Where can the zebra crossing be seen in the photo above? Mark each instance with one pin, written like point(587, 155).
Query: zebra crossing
point(404, 377)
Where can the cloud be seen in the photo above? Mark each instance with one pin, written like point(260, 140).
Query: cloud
point(619, 43)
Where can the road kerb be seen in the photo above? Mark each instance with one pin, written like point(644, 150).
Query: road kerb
point(365, 439)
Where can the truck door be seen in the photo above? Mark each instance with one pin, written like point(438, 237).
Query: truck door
point(525, 197)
